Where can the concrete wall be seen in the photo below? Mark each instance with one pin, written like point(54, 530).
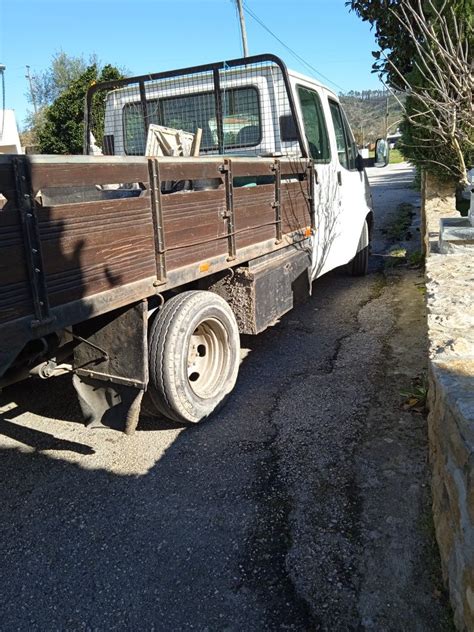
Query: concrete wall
point(450, 302)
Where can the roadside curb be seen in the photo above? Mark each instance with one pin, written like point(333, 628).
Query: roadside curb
point(450, 313)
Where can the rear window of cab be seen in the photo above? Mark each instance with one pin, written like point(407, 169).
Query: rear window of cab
point(242, 125)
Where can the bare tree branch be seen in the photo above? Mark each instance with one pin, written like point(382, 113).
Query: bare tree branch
point(442, 105)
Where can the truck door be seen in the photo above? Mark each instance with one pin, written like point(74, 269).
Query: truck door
point(351, 188)
point(326, 187)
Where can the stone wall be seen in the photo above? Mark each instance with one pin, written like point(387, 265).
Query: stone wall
point(450, 302)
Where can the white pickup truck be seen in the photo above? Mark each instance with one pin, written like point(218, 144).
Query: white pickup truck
point(138, 272)
point(266, 110)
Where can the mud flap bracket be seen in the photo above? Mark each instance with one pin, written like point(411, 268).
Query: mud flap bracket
point(111, 367)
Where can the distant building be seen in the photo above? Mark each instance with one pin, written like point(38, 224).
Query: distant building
point(9, 137)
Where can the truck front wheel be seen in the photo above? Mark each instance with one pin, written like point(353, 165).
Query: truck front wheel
point(194, 356)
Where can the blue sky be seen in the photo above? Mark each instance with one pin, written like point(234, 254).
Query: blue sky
point(153, 35)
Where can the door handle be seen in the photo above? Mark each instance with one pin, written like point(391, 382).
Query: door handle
point(339, 178)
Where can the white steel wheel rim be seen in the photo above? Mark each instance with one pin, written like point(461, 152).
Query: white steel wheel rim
point(208, 355)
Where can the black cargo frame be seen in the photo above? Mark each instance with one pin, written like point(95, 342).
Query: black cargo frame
point(212, 68)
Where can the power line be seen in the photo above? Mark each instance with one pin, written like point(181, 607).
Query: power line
point(290, 50)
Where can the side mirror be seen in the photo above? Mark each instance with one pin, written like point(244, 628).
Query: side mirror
point(382, 152)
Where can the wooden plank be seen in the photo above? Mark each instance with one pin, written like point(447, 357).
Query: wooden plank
point(118, 205)
point(8, 218)
point(190, 169)
point(92, 247)
point(209, 225)
point(293, 166)
point(249, 168)
point(182, 201)
point(196, 255)
point(12, 265)
point(247, 194)
point(192, 217)
point(263, 166)
point(95, 247)
point(92, 215)
point(45, 175)
point(254, 206)
point(295, 188)
point(15, 298)
point(247, 220)
point(295, 208)
point(19, 307)
point(10, 230)
point(253, 236)
point(87, 279)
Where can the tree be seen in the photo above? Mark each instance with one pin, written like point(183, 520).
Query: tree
point(47, 85)
point(56, 94)
point(425, 51)
point(62, 128)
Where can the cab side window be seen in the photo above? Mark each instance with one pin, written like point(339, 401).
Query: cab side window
point(346, 146)
point(314, 125)
point(352, 149)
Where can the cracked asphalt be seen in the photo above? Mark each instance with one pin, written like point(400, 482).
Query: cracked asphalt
point(303, 505)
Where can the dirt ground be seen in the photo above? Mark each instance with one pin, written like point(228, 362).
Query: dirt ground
point(303, 505)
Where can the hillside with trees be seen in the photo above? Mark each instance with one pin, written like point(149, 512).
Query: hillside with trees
point(371, 112)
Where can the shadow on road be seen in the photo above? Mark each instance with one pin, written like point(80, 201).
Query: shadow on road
point(36, 439)
point(199, 541)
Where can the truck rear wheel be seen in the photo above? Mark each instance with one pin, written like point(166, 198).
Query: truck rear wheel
point(359, 265)
point(194, 356)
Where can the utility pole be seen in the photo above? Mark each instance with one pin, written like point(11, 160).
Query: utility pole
point(2, 74)
point(32, 92)
point(242, 28)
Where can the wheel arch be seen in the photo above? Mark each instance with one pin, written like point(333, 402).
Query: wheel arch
point(370, 223)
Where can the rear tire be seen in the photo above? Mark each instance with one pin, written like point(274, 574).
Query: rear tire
point(194, 356)
point(359, 265)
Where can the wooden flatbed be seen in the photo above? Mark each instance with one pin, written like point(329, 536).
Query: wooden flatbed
point(72, 247)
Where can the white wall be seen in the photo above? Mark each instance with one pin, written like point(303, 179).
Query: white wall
point(9, 138)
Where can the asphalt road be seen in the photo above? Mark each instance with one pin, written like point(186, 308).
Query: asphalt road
point(303, 505)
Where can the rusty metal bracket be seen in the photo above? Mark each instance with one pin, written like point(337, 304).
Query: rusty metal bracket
point(226, 169)
point(32, 242)
point(219, 109)
point(121, 338)
point(157, 213)
point(146, 118)
point(110, 388)
point(104, 356)
point(276, 168)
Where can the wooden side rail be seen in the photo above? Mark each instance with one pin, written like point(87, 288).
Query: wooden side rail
point(56, 251)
